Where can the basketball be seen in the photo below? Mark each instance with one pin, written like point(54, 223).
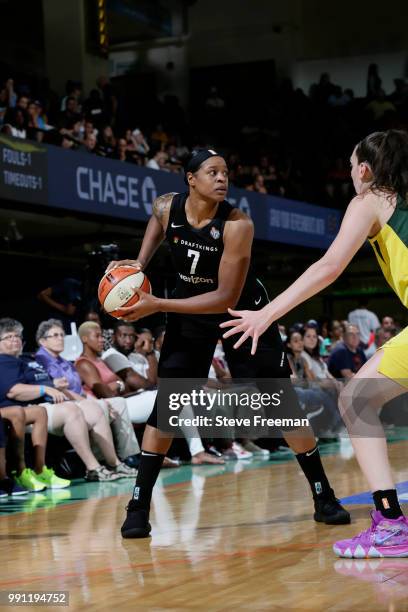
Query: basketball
point(115, 289)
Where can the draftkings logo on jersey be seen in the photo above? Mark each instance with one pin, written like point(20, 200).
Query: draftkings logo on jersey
point(195, 245)
point(215, 233)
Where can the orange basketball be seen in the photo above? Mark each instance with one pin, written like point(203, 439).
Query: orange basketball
point(115, 289)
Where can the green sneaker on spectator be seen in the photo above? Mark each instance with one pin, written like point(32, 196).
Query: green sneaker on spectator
point(50, 480)
point(28, 479)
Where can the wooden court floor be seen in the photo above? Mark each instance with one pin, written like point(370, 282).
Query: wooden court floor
point(240, 538)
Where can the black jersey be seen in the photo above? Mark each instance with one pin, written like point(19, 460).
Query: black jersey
point(196, 255)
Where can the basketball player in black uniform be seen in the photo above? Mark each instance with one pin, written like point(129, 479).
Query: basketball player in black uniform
point(210, 242)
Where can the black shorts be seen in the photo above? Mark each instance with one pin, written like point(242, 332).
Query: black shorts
point(189, 357)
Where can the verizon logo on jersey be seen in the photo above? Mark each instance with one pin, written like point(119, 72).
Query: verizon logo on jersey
point(196, 279)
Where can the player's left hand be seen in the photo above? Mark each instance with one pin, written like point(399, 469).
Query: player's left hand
point(253, 323)
point(146, 305)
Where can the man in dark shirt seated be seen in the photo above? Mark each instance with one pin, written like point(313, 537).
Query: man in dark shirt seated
point(347, 356)
point(63, 300)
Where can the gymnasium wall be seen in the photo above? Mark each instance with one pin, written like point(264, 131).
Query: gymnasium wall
point(250, 31)
point(303, 37)
point(66, 52)
point(294, 31)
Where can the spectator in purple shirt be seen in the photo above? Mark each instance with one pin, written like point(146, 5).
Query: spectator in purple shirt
point(63, 372)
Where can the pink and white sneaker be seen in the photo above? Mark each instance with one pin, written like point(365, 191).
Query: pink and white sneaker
point(385, 538)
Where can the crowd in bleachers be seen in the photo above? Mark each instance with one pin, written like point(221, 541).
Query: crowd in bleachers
point(296, 146)
point(99, 401)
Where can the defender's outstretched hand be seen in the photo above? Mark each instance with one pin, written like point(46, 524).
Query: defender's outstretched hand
point(146, 305)
point(252, 323)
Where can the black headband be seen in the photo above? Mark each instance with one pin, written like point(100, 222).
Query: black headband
point(196, 158)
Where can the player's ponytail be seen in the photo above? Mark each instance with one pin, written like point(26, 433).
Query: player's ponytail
point(387, 155)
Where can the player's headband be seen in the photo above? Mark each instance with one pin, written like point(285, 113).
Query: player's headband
point(196, 158)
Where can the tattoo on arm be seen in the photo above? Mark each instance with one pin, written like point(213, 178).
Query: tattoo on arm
point(161, 206)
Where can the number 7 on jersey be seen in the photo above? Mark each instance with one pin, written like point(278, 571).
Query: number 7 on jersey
point(196, 255)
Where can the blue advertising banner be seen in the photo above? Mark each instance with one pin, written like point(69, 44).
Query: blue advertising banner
point(92, 184)
point(87, 183)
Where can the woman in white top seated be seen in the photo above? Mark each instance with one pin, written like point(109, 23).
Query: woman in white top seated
point(315, 363)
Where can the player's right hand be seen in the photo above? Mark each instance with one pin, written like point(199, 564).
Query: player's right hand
point(251, 323)
point(125, 262)
point(56, 395)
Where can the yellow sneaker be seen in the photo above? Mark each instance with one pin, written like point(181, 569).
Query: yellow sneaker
point(50, 480)
point(29, 479)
